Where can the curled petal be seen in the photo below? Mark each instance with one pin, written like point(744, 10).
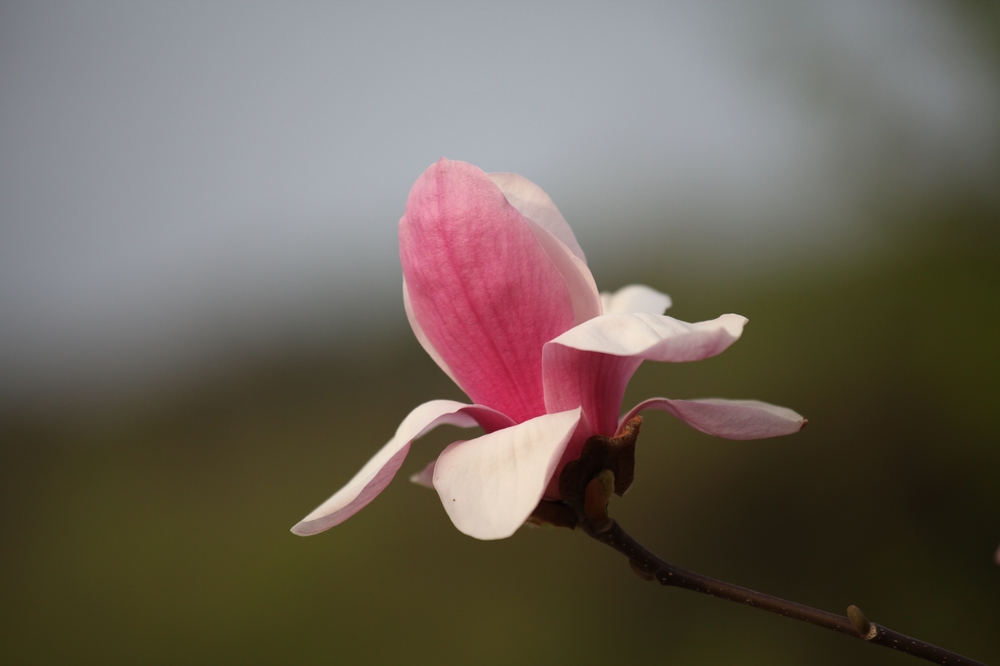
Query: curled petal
point(532, 202)
point(731, 419)
point(654, 337)
point(590, 365)
point(483, 290)
point(635, 298)
point(490, 485)
point(378, 472)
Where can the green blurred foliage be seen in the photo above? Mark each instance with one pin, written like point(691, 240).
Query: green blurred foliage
point(158, 533)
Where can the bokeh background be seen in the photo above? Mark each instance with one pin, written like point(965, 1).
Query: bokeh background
point(202, 334)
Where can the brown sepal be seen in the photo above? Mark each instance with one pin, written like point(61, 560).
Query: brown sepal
point(556, 514)
point(599, 453)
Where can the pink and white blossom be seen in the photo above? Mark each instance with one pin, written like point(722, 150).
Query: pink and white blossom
point(498, 292)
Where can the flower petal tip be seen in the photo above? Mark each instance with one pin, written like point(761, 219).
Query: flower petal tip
point(730, 419)
point(303, 529)
point(424, 477)
point(376, 474)
point(734, 323)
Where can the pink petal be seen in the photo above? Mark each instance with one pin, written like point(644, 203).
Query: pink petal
point(418, 331)
point(579, 280)
point(532, 202)
point(635, 298)
point(378, 472)
point(590, 365)
point(556, 238)
point(490, 485)
point(732, 419)
point(481, 287)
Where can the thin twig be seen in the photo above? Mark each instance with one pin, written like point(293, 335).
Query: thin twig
point(605, 467)
point(650, 567)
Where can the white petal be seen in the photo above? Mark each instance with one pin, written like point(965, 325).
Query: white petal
point(532, 202)
point(654, 337)
point(490, 485)
point(378, 472)
point(635, 298)
point(422, 337)
point(732, 419)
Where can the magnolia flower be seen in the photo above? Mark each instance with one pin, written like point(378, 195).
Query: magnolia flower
point(498, 292)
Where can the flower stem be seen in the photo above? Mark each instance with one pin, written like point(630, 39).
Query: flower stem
point(650, 567)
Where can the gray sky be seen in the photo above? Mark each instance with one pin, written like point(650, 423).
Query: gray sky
point(179, 179)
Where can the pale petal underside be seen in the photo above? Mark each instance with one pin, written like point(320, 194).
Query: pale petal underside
point(654, 337)
point(379, 471)
point(730, 419)
point(590, 365)
point(490, 485)
point(635, 299)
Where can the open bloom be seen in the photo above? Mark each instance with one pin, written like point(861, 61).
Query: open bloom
point(498, 292)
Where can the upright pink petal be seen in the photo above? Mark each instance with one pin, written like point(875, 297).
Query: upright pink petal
point(418, 332)
point(490, 485)
point(483, 290)
point(590, 365)
point(731, 419)
point(378, 472)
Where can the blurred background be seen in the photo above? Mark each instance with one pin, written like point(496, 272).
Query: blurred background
point(202, 334)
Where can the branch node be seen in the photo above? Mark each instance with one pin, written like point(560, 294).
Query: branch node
point(867, 630)
point(639, 571)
